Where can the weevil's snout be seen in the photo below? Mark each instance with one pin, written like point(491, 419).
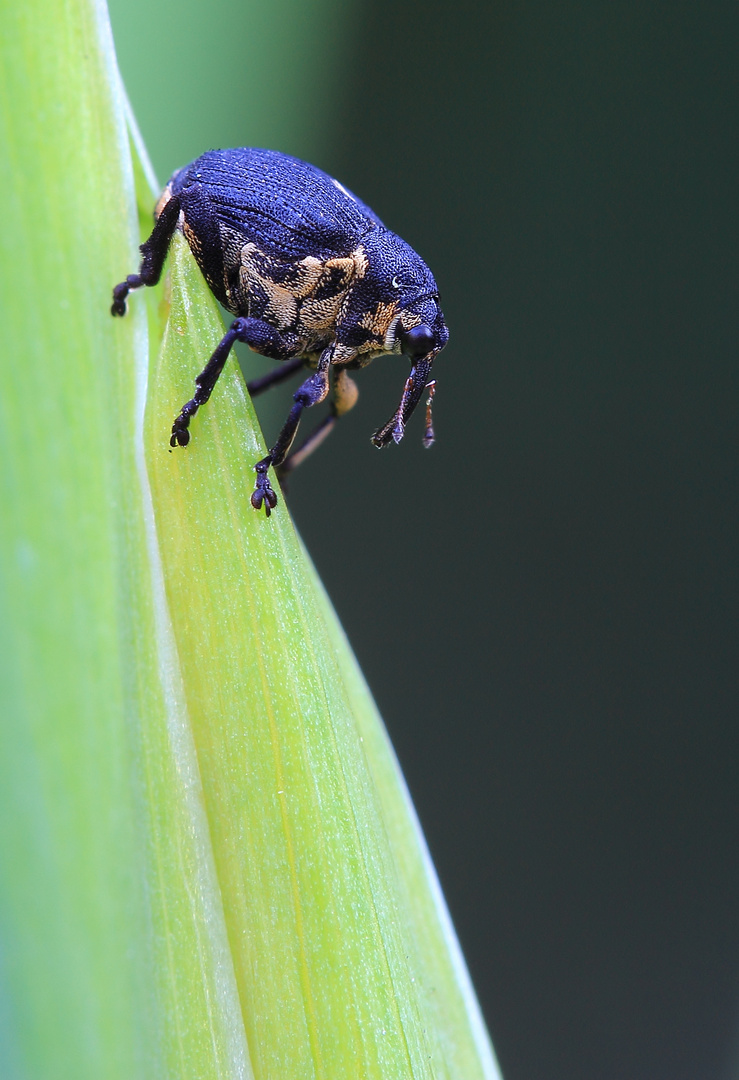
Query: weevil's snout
point(422, 341)
point(415, 385)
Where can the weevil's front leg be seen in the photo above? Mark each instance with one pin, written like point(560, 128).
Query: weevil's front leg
point(311, 392)
point(262, 337)
point(343, 398)
point(154, 252)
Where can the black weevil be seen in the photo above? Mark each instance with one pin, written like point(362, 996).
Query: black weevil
point(314, 278)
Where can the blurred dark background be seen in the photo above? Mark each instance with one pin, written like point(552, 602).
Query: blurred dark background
point(545, 604)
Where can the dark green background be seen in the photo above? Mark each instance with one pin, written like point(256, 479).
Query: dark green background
point(545, 605)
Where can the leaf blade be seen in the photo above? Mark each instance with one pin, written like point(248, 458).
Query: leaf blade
point(311, 884)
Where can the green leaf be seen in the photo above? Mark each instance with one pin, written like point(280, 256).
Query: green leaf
point(212, 868)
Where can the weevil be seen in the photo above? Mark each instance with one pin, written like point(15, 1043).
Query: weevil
point(315, 280)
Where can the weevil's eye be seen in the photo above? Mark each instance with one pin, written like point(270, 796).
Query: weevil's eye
point(418, 341)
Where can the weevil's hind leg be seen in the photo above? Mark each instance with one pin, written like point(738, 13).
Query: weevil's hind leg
point(312, 392)
point(154, 252)
point(272, 378)
point(344, 397)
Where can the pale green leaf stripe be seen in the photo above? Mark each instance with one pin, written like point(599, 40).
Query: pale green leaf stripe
point(205, 1034)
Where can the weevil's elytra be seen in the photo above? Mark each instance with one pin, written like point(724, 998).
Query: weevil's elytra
point(315, 280)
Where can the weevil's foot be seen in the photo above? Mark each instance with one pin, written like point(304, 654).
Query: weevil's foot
point(263, 491)
point(120, 292)
point(180, 435)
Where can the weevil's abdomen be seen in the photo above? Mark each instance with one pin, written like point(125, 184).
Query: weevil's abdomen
point(304, 296)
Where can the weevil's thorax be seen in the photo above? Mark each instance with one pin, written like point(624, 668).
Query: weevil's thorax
point(396, 289)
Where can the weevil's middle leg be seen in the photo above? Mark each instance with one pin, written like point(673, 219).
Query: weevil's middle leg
point(343, 398)
point(306, 448)
point(312, 392)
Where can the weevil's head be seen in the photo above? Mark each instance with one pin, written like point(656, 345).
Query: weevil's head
point(420, 330)
point(417, 329)
point(403, 285)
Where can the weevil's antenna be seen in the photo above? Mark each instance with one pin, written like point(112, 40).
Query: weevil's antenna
point(428, 435)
